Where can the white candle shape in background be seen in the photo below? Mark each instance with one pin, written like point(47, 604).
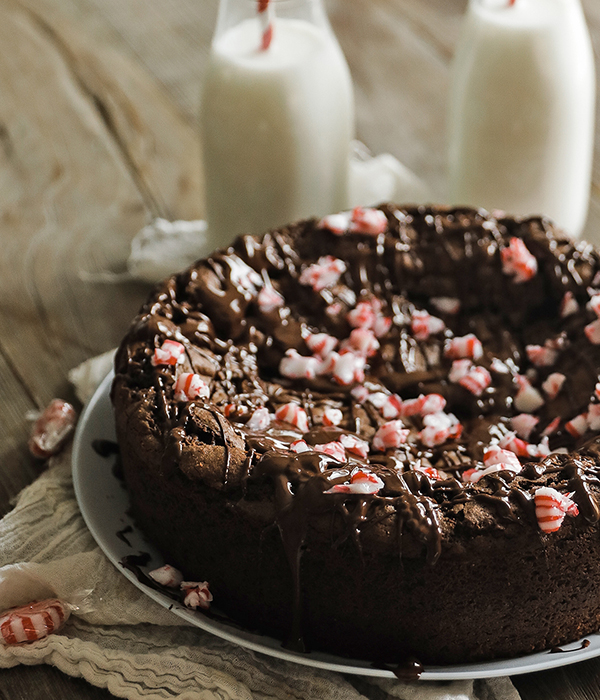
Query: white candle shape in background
point(276, 121)
point(522, 100)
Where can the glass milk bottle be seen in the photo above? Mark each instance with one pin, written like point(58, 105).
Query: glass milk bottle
point(277, 117)
point(522, 110)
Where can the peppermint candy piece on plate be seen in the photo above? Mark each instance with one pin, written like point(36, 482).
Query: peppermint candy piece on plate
point(391, 434)
point(190, 386)
point(553, 384)
point(333, 449)
point(332, 416)
point(297, 366)
point(167, 575)
point(323, 274)
point(423, 325)
point(52, 428)
point(28, 623)
point(361, 482)
point(464, 346)
point(196, 594)
point(259, 420)
point(551, 506)
point(294, 415)
point(355, 446)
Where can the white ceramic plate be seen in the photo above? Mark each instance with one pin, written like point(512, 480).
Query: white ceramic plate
point(104, 504)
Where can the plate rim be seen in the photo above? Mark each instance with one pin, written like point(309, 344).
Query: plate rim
point(100, 401)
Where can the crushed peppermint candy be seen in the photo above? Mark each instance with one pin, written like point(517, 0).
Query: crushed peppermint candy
point(361, 482)
point(360, 220)
point(568, 305)
point(508, 460)
point(593, 416)
point(171, 352)
point(476, 380)
point(464, 346)
point(431, 472)
point(34, 621)
point(459, 369)
point(518, 262)
point(52, 428)
point(363, 315)
point(299, 446)
point(390, 434)
point(323, 274)
point(297, 366)
point(541, 355)
point(333, 449)
point(594, 304)
point(349, 369)
point(528, 398)
point(190, 386)
point(592, 332)
point(196, 595)
point(446, 305)
point(269, 299)
point(439, 428)
point(553, 384)
point(360, 393)
point(551, 506)
point(293, 414)
point(523, 424)
point(332, 416)
point(354, 445)
point(167, 576)
point(336, 223)
point(321, 343)
point(577, 426)
point(259, 420)
point(515, 444)
point(423, 325)
point(362, 341)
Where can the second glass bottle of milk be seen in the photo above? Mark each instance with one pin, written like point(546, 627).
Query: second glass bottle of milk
point(522, 110)
point(277, 117)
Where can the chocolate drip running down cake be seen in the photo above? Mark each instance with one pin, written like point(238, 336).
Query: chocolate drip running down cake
point(376, 434)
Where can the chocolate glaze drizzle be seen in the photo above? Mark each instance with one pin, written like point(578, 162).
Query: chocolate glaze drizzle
point(426, 254)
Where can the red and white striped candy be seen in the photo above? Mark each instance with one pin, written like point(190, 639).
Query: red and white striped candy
point(52, 428)
point(354, 445)
point(553, 384)
point(360, 393)
point(363, 342)
point(425, 404)
point(472, 476)
point(382, 325)
point(597, 391)
point(476, 380)
point(190, 386)
point(459, 369)
point(541, 450)
point(508, 460)
point(320, 343)
point(269, 299)
point(439, 428)
point(234, 410)
point(465, 346)
point(593, 416)
point(170, 352)
point(446, 305)
point(293, 414)
point(551, 506)
point(336, 223)
point(523, 424)
point(392, 406)
point(348, 369)
point(528, 398)
point(334, 310)
point(323, 274)
point(362, 315)
point(369, 221)
point(594, 304)
point(299, 446)
point(423, 325)
point(541, 356)
point(332, 416)
point(592, 332)
point(361, 482)
point(196, 595)
point(259, 420)
point(431, 472)
point(511, 442)
point(552, 427)
point(391, 434)
point(568, 305)
point(167, 576)
point(577, 426)
point(333, 449)
point(29, 623)
point(518, 262)
point(296, 366)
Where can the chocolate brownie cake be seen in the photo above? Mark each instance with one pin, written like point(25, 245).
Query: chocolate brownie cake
point(377, 434)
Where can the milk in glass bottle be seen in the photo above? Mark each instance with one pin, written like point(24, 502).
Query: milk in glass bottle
point(522, 110)
point(277, 117)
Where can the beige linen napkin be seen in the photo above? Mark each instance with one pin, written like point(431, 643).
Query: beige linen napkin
point(122, 640)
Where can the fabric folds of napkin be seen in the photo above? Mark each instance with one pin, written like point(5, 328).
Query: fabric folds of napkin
point(120, 639)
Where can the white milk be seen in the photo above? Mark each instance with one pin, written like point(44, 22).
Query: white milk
point(522, 110)
point(276, 127)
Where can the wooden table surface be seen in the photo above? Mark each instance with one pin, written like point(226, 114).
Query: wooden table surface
point(98, 109)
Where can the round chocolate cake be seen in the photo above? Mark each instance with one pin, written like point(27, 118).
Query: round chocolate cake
point(377, 434)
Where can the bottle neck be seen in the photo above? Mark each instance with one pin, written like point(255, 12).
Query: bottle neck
point(233, 12)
